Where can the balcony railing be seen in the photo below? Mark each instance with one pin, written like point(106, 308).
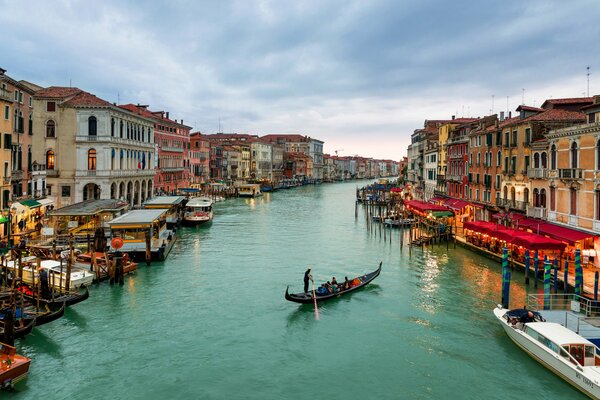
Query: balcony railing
point(52, 173)
point(537, 173)
point(537, 212)
point(112, 139)
point(570, 173)
point(509, 172)
point(5, 95)
point(172, 149)
point(16, 175)
point(172, 169)
point(519, 205)
point(114, 173)
point(452, 177)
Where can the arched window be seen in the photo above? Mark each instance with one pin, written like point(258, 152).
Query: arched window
point(121, 129)
point(553, 157)
point(536, 160)
point(92, 159)
point(30, 129)
point(573, 202)
point(543, 198)
point(50, 129)
point(112, 127)
point(544, 160)
point(513, 195)
point(536, 197)
point(505, 192)
point(50, 159)
point(574, 155)
point(526, 195)
point(499, 158)
point(92, 126)
point(552, 198)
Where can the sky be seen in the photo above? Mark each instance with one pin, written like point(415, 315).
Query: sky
point(359, 75)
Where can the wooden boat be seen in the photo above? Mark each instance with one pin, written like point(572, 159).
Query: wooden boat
point(56, 270)
point(13, 367)
point(23, 326)
point(69, 298)
point(43, 317)
point(84, 260)
point(307, 298)
point(28, 308)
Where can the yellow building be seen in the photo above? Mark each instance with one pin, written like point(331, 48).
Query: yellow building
point(518, 134)
point(574, 184)
point(6, 126)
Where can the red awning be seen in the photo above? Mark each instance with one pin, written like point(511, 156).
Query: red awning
point(531, 241)
point(456, 204)
point(424, 207)
point(562, 233)
point(395, 190)
point(511, 216)
point(488, 228)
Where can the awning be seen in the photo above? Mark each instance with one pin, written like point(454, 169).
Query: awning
point(395, 190)
point(424, 207)
point(3, 219)
point(442, 214)
point(45, 202)
point(30, 203)
point(457, 204)
point(531, 241)
point(563, 234)
point(511, 216)
point(18, 208)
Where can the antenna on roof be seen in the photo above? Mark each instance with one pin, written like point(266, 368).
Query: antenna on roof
point(492, 110)
point(70, 85)
point(506, 104)
point(588, 81)
point(523, 96)
point(118, 98)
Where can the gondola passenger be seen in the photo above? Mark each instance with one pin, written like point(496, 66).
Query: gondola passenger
point(346, 284)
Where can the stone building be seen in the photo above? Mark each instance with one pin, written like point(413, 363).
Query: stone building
point(92, 149)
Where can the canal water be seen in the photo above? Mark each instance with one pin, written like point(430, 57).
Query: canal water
point(211, 322)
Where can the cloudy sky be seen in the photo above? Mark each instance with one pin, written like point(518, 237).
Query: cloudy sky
point(359, 75)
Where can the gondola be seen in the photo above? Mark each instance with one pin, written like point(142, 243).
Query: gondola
point(69, 298)
point(307, 298)
point(22, 328)
point(42, 318)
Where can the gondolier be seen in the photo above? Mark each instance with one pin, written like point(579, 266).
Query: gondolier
point(307, 277)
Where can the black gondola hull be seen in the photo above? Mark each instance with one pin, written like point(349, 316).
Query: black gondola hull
point(307, 298)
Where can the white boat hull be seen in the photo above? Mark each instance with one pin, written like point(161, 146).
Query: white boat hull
point(550, 359)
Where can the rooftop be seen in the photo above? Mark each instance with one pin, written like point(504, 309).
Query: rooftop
point(164, 201)
point(57, 92)
point(138, 217)
point(91, 207)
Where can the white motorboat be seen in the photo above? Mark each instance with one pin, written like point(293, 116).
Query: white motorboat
point(57, 273)
point(564, 352)
point(198, 210)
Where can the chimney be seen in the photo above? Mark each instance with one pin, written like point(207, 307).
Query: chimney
point(509, 114)
point(182, 121)
point(496, 124)
point(453, 117)
point(501, 115)
point(167, 115)
point(2, 71)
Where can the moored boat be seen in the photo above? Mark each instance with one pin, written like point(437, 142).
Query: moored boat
point(561, 350)
point(55, 300)
point(249, 190)
point(56, 272)
point(13, 367)
point(86, 260)
point(198, 210)
point(307, 298)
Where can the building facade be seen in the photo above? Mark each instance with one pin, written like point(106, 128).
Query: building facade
point(92, 149)
point(199, 156)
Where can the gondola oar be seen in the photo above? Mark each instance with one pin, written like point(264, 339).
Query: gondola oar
point(315, 301)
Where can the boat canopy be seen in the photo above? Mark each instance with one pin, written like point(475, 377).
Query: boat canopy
point(558, 333)
point(164, 201)
point(141, 217)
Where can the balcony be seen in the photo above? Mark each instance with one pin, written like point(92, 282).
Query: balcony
point(537, 212)
point(52, 173)
point(510, 172)
point(172, 169)
point(518, 205)
point(172, 149)
point(573, 220)
point(537, 173)
point(570, 173)
point(488, 185)
point(441, 178)
point(5, 95)
point(114, 173)
point(452, 177)
point(16, 175)
point(113, 140)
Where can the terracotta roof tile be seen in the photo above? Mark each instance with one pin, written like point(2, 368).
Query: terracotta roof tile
point(557, 115)
point(529, 108)
point(571, 100)
point(57, 92)
point(274, 138)
point(85, 99)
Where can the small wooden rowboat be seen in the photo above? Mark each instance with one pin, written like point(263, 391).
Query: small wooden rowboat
point(13, 367)
point(307, 298)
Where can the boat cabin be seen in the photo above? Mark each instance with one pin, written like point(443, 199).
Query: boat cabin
point(561, 340)
point(133, 227)
point(249, 190)
point(84, 217)
point(173, 205)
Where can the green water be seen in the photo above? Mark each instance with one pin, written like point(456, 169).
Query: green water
point(211, 322)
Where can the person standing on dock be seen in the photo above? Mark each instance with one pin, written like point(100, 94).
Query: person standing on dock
point(307, 277)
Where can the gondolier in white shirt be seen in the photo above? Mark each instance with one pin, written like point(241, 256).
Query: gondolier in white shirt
point(307, 277)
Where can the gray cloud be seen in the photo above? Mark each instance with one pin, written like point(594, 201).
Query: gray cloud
point(344, 71)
